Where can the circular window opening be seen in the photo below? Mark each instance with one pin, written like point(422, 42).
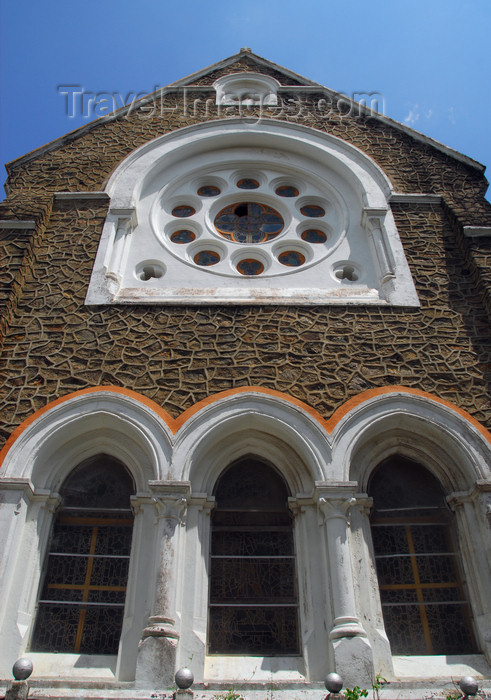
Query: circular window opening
point(313, 235)
point(205, 258)
point(249, 222)
point(183, 210)
point(250, 267)
point(312, 210)
point(183, 236)
point(208, 191)
point(248, 183)
point(291, 258)
point(286, 191)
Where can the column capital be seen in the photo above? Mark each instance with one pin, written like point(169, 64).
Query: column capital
point(480, 489)
point(171, 499)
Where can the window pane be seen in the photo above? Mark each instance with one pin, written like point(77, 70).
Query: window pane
point(253, 591)
point(82, 600)
point(423, 601)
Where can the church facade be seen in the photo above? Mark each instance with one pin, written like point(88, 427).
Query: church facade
point(245, 398)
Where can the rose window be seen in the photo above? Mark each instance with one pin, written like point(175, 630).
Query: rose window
point(249, 222)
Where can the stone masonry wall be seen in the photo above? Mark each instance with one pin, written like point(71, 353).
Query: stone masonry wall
point(53, 344)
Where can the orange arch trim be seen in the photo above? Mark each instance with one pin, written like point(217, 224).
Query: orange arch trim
point(175, 424)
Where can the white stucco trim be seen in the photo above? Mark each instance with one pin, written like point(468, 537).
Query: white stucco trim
point(361, 231)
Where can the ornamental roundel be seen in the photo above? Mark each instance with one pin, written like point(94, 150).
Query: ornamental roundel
point(249, 222)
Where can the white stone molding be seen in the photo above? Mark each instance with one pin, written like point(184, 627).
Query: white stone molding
point(417, 426)
point(87, 424)
point(123, 222)
point(477, 231)
point(341, 266)
point(19, 224)
point(373, 220)
point(246, 90)
point(475, 552)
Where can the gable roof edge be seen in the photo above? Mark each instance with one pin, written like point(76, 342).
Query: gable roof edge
point(178, 85)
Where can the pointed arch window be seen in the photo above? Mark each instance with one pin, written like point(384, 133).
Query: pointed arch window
point(81, 605)
point(253, 591)
point(423, 600)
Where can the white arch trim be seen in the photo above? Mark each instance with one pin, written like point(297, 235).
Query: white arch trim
point(197, 445)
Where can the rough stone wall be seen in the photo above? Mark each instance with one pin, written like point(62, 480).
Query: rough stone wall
point(177, 356)
point(53, 344)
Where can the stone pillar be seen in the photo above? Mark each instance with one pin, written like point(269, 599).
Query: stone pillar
point(158, 647)
point(373, 221)
point(352, 651)
point(473, 514)
point(124, 223)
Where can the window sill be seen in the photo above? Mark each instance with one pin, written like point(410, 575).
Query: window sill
point(435, 667)
point(76, 666)
point(255, 668)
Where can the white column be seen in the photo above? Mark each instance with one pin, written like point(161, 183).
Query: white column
point(157, 649)
point(124, 223)
point(473, 515)
point(352, 651)
point(373, 222)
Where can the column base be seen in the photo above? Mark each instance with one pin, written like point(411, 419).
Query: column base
point(347, 627)
point(354, 661)
point(156, 663)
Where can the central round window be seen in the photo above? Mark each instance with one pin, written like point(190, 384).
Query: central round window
point(249, 222)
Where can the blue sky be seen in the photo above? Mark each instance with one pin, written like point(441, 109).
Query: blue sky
point(429, 59)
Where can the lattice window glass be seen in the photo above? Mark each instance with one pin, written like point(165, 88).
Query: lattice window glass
point(423, 599)
point(253, 590)
point(81, 604)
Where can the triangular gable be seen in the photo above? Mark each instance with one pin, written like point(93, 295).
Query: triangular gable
point(245, 60)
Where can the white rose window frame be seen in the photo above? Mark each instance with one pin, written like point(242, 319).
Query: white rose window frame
point(231, 212)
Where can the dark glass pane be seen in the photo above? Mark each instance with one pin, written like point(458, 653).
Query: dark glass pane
point(88, 562)
point(183, 210)
point(101, 482)
point(423, 602)
point(206, 258)
point(251, 485)
point(248, 222)
point(312, 210)
point(291, 258)
point(314, 236)
point(253, 631)
point(252, 581)
point(252, 571)
point(248, 183)
point(252, 543)
point(102, 629)
point(208, 191)
point(56, 628)
point(405, 630)
point(287, 191)
point(250, 267)
point(182, 236)
point(401, 483)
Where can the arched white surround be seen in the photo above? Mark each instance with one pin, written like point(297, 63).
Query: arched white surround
point(246, 90)
point(137, 262)
point(325, 464)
